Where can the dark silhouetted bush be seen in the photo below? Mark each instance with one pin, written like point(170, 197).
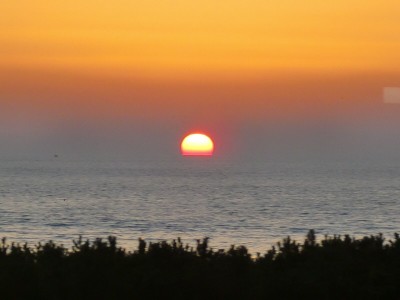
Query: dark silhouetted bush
point(335, 268)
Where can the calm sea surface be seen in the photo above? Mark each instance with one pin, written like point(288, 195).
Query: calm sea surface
point(252, 204)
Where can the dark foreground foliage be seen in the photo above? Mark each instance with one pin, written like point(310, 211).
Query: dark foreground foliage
point(334, 268)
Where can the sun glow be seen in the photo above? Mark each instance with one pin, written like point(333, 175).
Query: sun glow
point(197, 144)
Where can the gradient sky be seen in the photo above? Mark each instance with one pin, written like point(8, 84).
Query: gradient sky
point(245, 71)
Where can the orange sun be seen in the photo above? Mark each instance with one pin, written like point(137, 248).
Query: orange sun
point(197, 144)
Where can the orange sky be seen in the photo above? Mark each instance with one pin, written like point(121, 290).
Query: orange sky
point(171, 38)
point(196, 63)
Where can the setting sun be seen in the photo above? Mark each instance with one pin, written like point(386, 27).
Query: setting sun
point(197, 144)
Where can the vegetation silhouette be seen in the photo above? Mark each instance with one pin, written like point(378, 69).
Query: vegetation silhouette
point(337, 267)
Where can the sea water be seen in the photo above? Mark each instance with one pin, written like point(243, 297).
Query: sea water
point(254, 204)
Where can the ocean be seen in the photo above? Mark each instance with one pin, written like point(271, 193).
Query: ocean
point(250, 203)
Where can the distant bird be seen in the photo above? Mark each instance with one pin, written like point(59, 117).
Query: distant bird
point(55, 155)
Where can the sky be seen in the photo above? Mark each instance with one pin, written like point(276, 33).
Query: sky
point(254, 74)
